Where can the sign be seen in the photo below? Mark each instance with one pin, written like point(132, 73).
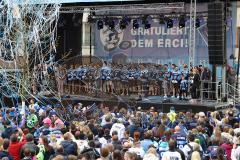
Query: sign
point(157, 44)
point(153, 45)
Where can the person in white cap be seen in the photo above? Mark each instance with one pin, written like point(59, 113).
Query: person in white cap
point(119, 128)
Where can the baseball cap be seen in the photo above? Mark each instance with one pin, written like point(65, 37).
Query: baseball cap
point(163, 146)
point(47, 121)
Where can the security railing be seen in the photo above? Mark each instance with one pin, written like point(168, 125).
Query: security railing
point(214, 91)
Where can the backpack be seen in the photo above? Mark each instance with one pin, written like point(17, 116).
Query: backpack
point(40, 155)
point(191, 150)
point(92, 152)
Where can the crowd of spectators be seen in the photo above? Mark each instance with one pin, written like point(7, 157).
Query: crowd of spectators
point(119, 134)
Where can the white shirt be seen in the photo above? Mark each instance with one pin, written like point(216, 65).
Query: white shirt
point(82, 144)
point(139, 151)
point(103, 141)
point(120, 128)
point(171, 156)
point(235, 155)
point(150, 156)
point(186, 148)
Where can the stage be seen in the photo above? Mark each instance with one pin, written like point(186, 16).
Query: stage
point(160, 104)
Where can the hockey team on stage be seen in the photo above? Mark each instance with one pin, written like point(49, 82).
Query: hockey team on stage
point(141, 79)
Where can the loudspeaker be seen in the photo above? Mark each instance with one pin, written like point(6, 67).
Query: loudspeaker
point(216, 33)
point(69, 35)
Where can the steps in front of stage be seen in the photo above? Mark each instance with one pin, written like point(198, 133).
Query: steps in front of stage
point(160, 103)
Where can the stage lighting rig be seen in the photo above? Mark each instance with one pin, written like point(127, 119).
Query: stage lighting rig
point(198, 23)
point(146, 23)
point(124, 22)
point(135, 24)
point(106, 21)
point(100, 24)
point(111, 24)
point(162, 20)
point(181, 22)
point(169, 23)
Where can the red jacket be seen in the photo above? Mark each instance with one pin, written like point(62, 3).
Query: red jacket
point(228, 150)
point(14, 149)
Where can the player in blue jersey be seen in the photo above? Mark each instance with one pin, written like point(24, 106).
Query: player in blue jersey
point(183, 88)
point(125, 80)
point(105, 76)
point(175, 77)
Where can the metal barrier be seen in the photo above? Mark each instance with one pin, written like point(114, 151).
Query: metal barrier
point(231, 94)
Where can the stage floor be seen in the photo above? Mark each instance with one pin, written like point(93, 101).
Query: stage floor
point(160, 104)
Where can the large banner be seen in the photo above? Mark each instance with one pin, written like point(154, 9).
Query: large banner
point(157, 44)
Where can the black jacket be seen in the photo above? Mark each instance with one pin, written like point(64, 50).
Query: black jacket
point(69, 147)
point(8, 132)
point(5, 154)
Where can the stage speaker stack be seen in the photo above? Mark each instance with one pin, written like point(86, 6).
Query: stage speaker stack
point(216, 33)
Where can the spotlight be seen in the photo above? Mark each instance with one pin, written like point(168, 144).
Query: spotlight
point(135, 24)
point(198, 23)
point(161, 20)
point(181, 23)
point(123, 24)
point(106, 21)
point(100, 24)
point(169, 23)
point(147, 25)
point(111, 24)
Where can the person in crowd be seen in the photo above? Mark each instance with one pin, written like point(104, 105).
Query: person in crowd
point(171, 153)
point(147, 140)
point(180, 137)
point(151, 154)
point(235, 154)
point(105, 155)
point(227, 146)
point(32, 119)
point(91, 150)
point(134, 126)
point(27, 154)
point(69, 146)
point(115, 141)
point(9, 130)
point(117, 155)
point(187, 149)
point(136, 148)
point(130, 156)
point(34, 149)
point(15, 147)
point(109, 123)
point(4, 152)
point(48, 150)
point(119, 128)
